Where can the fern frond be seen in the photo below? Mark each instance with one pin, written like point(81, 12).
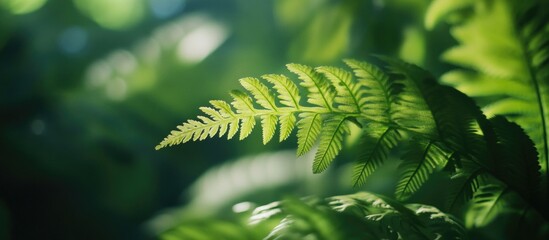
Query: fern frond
point(311, 218)
point(503, 44)
point(331, 141)
point(321, 93)
point(438, 223)
point(375, 148)
point(394, 219)
point(361, 215)
point(418, 164)
point(227, 113)
point(410, 108)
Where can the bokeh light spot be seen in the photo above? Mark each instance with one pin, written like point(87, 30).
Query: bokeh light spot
point(123, 61)
point(73, 40)
point(116, 89)
point(166, 8)
point(201, 42)
point(22, 6)
point(98, 74)
point(242, 207)
point(113, 14)
point(148, 50)
point(38, 126)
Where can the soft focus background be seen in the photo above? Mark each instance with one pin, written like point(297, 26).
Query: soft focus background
point(89, 87)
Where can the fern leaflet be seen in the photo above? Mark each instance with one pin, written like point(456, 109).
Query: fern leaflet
point(349, 92)
point(418, 165)
point(331, 139)
point(308, 129)
point(380, 92)
point(321, 93)
point(488, 201)
point(375, 148)
point(287, 90)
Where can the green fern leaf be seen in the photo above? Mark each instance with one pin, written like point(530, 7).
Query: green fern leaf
point(308, 128)
point(246, 127)
point(463, 185)
point(394, 219)
point(260, 92)
point(375, 148)
point(215, 115)
point(418, 164)
point(231, 122)
point(268, 124)
point(233, 128)
point(518, 166)
point(439, 224)
point(286, 89)
point(287, 125)
point(223, 107)
point(421, 104)
point(503, 46)
point(349, 92)
point(331, 139)
point(458, 122)
point(312, 218)
point(242, 102)
point(320, 91)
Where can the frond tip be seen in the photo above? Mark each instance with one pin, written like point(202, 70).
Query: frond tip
point(333, 97)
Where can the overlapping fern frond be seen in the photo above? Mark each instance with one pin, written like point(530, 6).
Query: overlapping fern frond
point(493, 202)
point(334, 98)
point(504, 56)
point(362, 215)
